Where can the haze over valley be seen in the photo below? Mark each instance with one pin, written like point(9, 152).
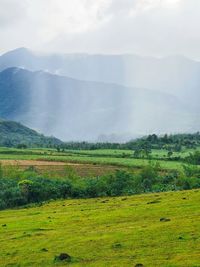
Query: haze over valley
point(100, 97)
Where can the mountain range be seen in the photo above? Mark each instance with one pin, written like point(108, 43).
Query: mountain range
point(81, 97)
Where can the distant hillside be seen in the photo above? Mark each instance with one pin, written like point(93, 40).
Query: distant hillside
point(76, 110)
point(13, 134)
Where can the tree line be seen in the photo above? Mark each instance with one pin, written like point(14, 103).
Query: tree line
point(169, 142)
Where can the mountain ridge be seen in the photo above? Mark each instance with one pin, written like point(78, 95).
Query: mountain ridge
point(177, 74)
point(80, 110)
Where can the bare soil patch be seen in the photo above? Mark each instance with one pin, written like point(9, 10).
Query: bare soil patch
point(54, 168)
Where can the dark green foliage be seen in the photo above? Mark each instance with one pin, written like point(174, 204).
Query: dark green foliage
point(194, 158)
point(148, 177)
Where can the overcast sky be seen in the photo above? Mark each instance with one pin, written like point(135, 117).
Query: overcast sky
point(145, 27)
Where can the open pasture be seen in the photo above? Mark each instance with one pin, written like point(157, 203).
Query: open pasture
point(155, 230)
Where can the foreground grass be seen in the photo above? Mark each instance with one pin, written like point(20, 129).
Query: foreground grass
point(121, 231)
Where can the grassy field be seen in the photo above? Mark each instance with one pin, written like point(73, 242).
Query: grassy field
point(101, 162)
point(122, 231)
point(101, 157)
point(160, 154)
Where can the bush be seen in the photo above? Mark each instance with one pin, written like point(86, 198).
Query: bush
point(194, 158)
point(148, 177)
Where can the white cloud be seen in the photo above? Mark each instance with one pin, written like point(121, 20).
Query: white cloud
point(146, 4)
point(150, 27)
point(61, 16)
point(10, 12)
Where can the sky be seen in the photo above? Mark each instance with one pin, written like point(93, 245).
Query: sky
point(144, 27)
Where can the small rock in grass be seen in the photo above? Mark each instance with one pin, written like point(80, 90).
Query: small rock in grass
point(164, 220)
point(105, 200)
point(63, 257)
point(44, 249)
point(153, 202)
point(117, 245)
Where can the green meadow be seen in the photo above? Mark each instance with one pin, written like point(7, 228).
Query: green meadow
point(159, 229)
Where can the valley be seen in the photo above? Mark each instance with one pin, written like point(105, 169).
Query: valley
point(100, 133)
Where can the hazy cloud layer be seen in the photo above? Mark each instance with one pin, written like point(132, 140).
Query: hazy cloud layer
point(11, 11)
point(147, 27)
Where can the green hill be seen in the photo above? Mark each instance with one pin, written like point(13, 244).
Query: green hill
point(15, 134)
point(159, 229)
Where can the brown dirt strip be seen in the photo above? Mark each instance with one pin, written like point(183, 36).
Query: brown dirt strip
point(36, 163)
point(54, 168)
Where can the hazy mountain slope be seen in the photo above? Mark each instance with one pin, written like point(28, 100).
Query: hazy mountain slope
point(176, 75)
point(79, 110)
point(13, 133)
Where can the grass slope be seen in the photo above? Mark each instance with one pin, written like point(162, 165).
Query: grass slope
point(105, 232)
